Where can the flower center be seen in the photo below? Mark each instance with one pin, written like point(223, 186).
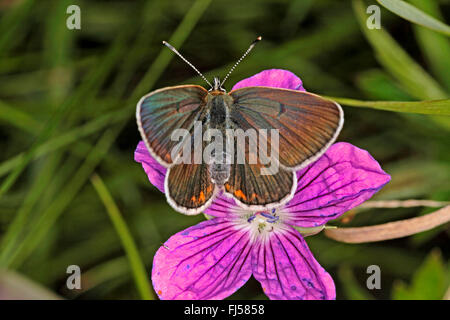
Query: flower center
point(263, 221)
point(262, 224)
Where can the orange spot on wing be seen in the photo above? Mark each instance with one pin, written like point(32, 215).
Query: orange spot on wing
point(201, 198)
point(227, 186)
point(240, 194)
point(193, 198)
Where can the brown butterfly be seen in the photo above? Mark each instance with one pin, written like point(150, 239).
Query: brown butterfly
point(303, 124)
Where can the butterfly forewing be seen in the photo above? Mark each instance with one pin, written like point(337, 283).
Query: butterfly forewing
point(162, 111)
point(307, 124)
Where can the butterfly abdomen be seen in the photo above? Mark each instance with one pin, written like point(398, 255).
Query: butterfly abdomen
point(219, 170)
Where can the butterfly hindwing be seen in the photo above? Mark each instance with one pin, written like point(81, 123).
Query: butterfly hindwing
point(188, 184)
point(189, 188)
point(257, 191)
point(256, 185)
point(162, 111)
point(307, 124)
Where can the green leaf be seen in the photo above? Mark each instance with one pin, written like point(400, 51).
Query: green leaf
point(310, 231)
point(411, 13)
point(439, 107)
point(435, 46)
point(412, 77)
point(429, 282)
point(378, 85)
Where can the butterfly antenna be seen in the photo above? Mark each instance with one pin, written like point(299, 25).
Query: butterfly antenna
point(242, 58)
point(185, 60)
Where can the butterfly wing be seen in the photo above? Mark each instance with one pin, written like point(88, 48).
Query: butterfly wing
point(162, 111)
point(307, 124)
point(258, 191)
point(188, 185)
point(189, 188)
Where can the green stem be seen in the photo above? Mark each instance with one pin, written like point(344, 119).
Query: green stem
point(437, 107)
point(137, 266)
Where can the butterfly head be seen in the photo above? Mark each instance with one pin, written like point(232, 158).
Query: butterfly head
point(217, 85)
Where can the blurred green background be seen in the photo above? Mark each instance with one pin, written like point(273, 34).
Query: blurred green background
point(67, 111)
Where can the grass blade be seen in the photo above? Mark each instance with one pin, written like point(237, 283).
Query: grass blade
point(96, 78)
point(435, 46)
point(15, 228)
point(11, 24)
point(437, 107)
point(165, 56)
point(413, 78)
point(49, 217)
point(51, 214)
point(65, 138)
point(415, 15)
point(137, 266)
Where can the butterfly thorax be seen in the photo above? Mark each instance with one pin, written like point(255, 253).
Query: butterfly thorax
point(219, 110)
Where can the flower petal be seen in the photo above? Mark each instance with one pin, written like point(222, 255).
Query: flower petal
point(224, 206)
point(152, 168)
point(287, 270)
point(208, 261)
point(343, 178)
point(276, 78)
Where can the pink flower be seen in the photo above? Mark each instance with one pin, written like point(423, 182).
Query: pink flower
point(214, 258)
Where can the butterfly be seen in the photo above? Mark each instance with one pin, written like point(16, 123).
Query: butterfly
point(305, 125)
